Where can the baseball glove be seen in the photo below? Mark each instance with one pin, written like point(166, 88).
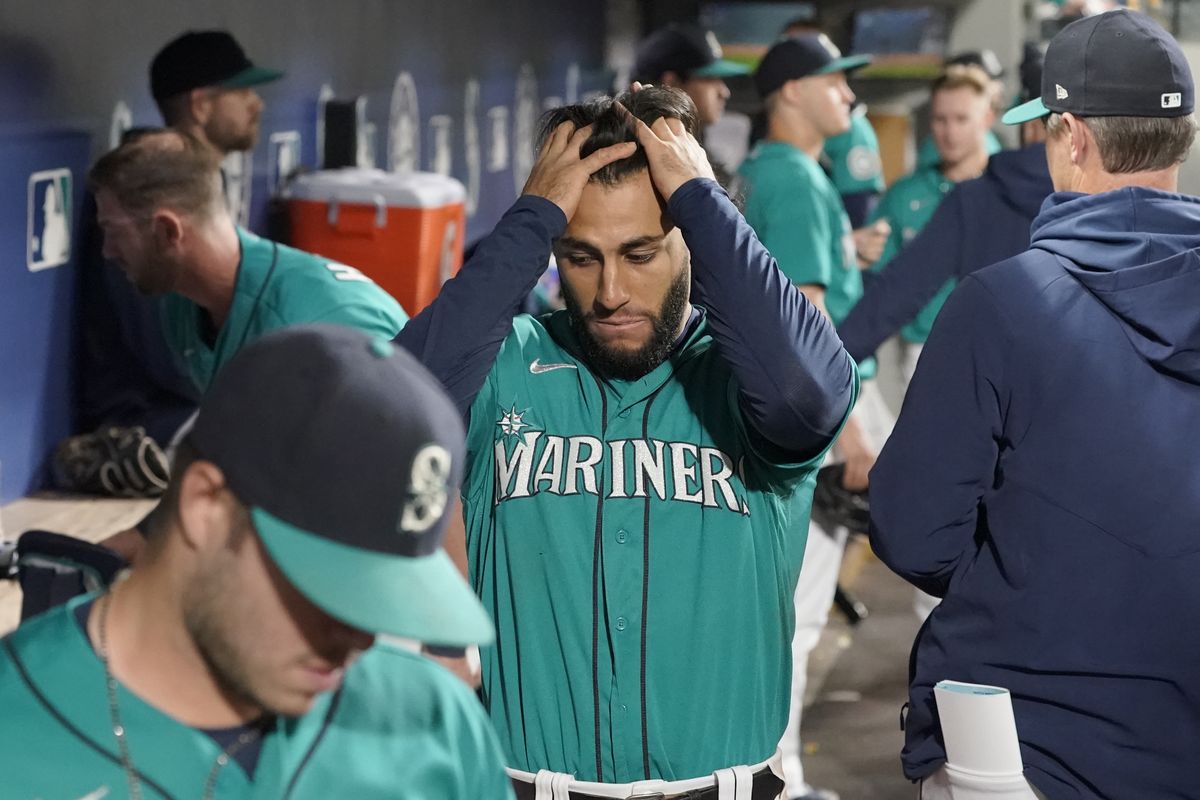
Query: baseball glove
point(838, 505)
point(113, 461)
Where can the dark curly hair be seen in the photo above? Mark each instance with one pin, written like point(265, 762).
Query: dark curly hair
point(610, 126)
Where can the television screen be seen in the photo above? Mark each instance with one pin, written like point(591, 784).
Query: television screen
point(884, 31)
point(737, 23)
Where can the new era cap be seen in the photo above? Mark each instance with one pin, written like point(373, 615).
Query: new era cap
point(688, 50)
point(204, 58)
point(347, 452)
point(1117, 64)
point(802, 56)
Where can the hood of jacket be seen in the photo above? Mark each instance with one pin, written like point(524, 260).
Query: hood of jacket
point(1137, 251)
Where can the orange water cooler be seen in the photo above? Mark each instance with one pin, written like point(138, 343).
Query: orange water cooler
point(404, 231)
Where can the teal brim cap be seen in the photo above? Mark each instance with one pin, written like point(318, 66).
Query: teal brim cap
point(1025, 112)
point(844, 64)
point(721, 68)
point(251, 76)
point(414, 597)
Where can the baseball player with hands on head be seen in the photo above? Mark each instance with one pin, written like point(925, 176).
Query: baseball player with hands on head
point(640, 465)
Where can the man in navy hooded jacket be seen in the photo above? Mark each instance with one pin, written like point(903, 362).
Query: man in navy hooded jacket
point(1043, 477)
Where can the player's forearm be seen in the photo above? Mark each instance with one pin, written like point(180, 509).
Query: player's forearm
point(910, 280)
point(795, 378)
point(458, 335)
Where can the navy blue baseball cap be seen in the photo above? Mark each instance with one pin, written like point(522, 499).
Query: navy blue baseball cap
point(802, 56)
point(686, 49)
point(1116, 64)
point(204, 58)
point(348, 453)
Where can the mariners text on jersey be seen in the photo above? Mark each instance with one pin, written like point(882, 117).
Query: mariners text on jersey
point(531, 462)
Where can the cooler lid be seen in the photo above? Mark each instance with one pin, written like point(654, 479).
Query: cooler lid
point(367, 186)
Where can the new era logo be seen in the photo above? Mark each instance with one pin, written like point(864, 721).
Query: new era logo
point(1060, 92)
point(1172, 99)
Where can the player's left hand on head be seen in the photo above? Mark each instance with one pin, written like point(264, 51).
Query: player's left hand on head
point(674, 155)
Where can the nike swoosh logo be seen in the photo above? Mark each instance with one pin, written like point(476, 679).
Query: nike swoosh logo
point(97, 794)
point(537, 367)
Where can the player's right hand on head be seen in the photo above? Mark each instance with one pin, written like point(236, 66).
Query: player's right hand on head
point(674, 155)
point(559, 174)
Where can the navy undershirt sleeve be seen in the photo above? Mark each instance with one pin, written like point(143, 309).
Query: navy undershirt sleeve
point(910, 280)
point(859, 206)
point(795, 379)
point(458, 335)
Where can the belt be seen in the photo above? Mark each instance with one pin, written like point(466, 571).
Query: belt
point(757, 782)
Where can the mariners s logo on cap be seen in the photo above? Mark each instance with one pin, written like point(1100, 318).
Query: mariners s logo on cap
point(427, 489)
point(348, 481)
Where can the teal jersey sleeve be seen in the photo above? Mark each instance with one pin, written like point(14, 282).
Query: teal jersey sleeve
point(277, 286)
point(798, 234)
point(788, 211)
point(452, 748)
point(370, 318)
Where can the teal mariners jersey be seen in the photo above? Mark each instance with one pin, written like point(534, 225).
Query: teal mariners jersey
point(638, 551)
point(928, 156)
point(908, 206)
point(799, 217)
point(853, 158)
point(400, 726)
point(277, 286)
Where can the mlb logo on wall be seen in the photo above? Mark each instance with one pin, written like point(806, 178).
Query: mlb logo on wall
point(48, 236)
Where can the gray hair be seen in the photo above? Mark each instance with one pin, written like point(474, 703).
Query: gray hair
point(1137, 144)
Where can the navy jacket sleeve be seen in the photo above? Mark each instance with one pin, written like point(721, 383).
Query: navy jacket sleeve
point(909, 281)
point(796, 380)
point(941, 459)
point(458, 335)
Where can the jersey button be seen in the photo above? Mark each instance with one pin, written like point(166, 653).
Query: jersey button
point(621, 537)
point(624, 414)
point(621, 623)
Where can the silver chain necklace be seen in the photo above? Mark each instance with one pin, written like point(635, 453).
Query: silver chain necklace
point(118, 729)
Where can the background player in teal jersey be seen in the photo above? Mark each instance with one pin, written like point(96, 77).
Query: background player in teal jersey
point(797, 213)
point(640, 468)
point(928, 154)
point(164, 222)
point(961, 113)
point(852, 161)
point(237, 659)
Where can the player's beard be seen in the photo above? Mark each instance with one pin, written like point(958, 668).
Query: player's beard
point(228, 138)
point(629, 365)
point(157, 276)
